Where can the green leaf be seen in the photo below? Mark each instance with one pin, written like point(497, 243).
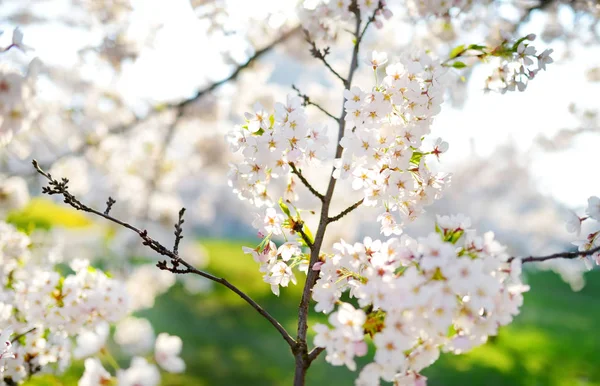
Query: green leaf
point(456, 51)
point(455, 236)
point(451, 331)
point(416, 158)
point(477, 47)
point(459, 65)
point(308, 233)
point(516, 45)
point(284, 207)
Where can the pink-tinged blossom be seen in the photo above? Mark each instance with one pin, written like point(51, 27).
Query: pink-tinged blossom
point(167, 351)
point(140, 373)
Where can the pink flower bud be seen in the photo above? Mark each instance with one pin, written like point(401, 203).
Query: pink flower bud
point(360, 348)
point(317, 266)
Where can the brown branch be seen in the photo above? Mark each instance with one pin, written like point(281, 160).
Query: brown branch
point(306, 101)
point(178, 231)
point(346, 211)
point(238, 69)
point(305, 237)
point(16, 338)
point(303, 360)
point(315, 352)
point(305, 181)
point(56, 187)
point(560, 255)
point(321, 54)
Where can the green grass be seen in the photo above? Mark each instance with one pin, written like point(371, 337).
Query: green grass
point(554, 341)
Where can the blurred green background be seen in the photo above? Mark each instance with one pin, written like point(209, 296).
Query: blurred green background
point(554, 341)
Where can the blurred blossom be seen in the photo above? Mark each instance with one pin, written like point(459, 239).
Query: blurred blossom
point(89, 343)
point(145, 283)
point(134, 335)
point(13, 194)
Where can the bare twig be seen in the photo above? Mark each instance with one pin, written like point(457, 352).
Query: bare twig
point(305, 237)
point(314, 353)
point(56, 187)
point(307, 101)
point(560, 255)
point(370, 20)
point(109, 203)
point(321, 54)
point(346, 211)
point(16, 338)
point(178, 231)
point(298, 172)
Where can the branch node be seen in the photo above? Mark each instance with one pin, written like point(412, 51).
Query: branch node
point(109, 203)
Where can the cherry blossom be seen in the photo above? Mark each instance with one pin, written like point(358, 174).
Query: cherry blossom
point(166, 351)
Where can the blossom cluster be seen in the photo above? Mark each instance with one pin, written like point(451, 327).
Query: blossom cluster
point(270, 143)
point(323, 19)
point(59, 313)
point(17, 90)
point(384, 154)
point(592, 240)
point(141, 372)
point(277, 263)
point(415, 298)
point(52, 306)
point(516, 65)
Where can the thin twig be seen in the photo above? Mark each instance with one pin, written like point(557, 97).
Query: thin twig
point(298, 172)
point(178, 231)
point(321, 54)
point(314, 353)
point(109, 204)
point(346, 211)
point(370, 20)
point(16, 338)
point(305, 237)
point(56, 187)
point(307, 101)
point(560, 255)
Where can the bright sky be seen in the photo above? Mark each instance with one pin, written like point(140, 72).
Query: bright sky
point(182, 54)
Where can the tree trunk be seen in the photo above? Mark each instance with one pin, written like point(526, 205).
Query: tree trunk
point(300, 373)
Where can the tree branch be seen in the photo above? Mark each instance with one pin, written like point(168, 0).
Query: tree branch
point(560, 255)
point(307, 101)
point(17, 337)
point(61, 188)
point(346, 211)
point(322, 55)
point(302, 357)
point(238, 69)
point(305, 181)
point(315, 352)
